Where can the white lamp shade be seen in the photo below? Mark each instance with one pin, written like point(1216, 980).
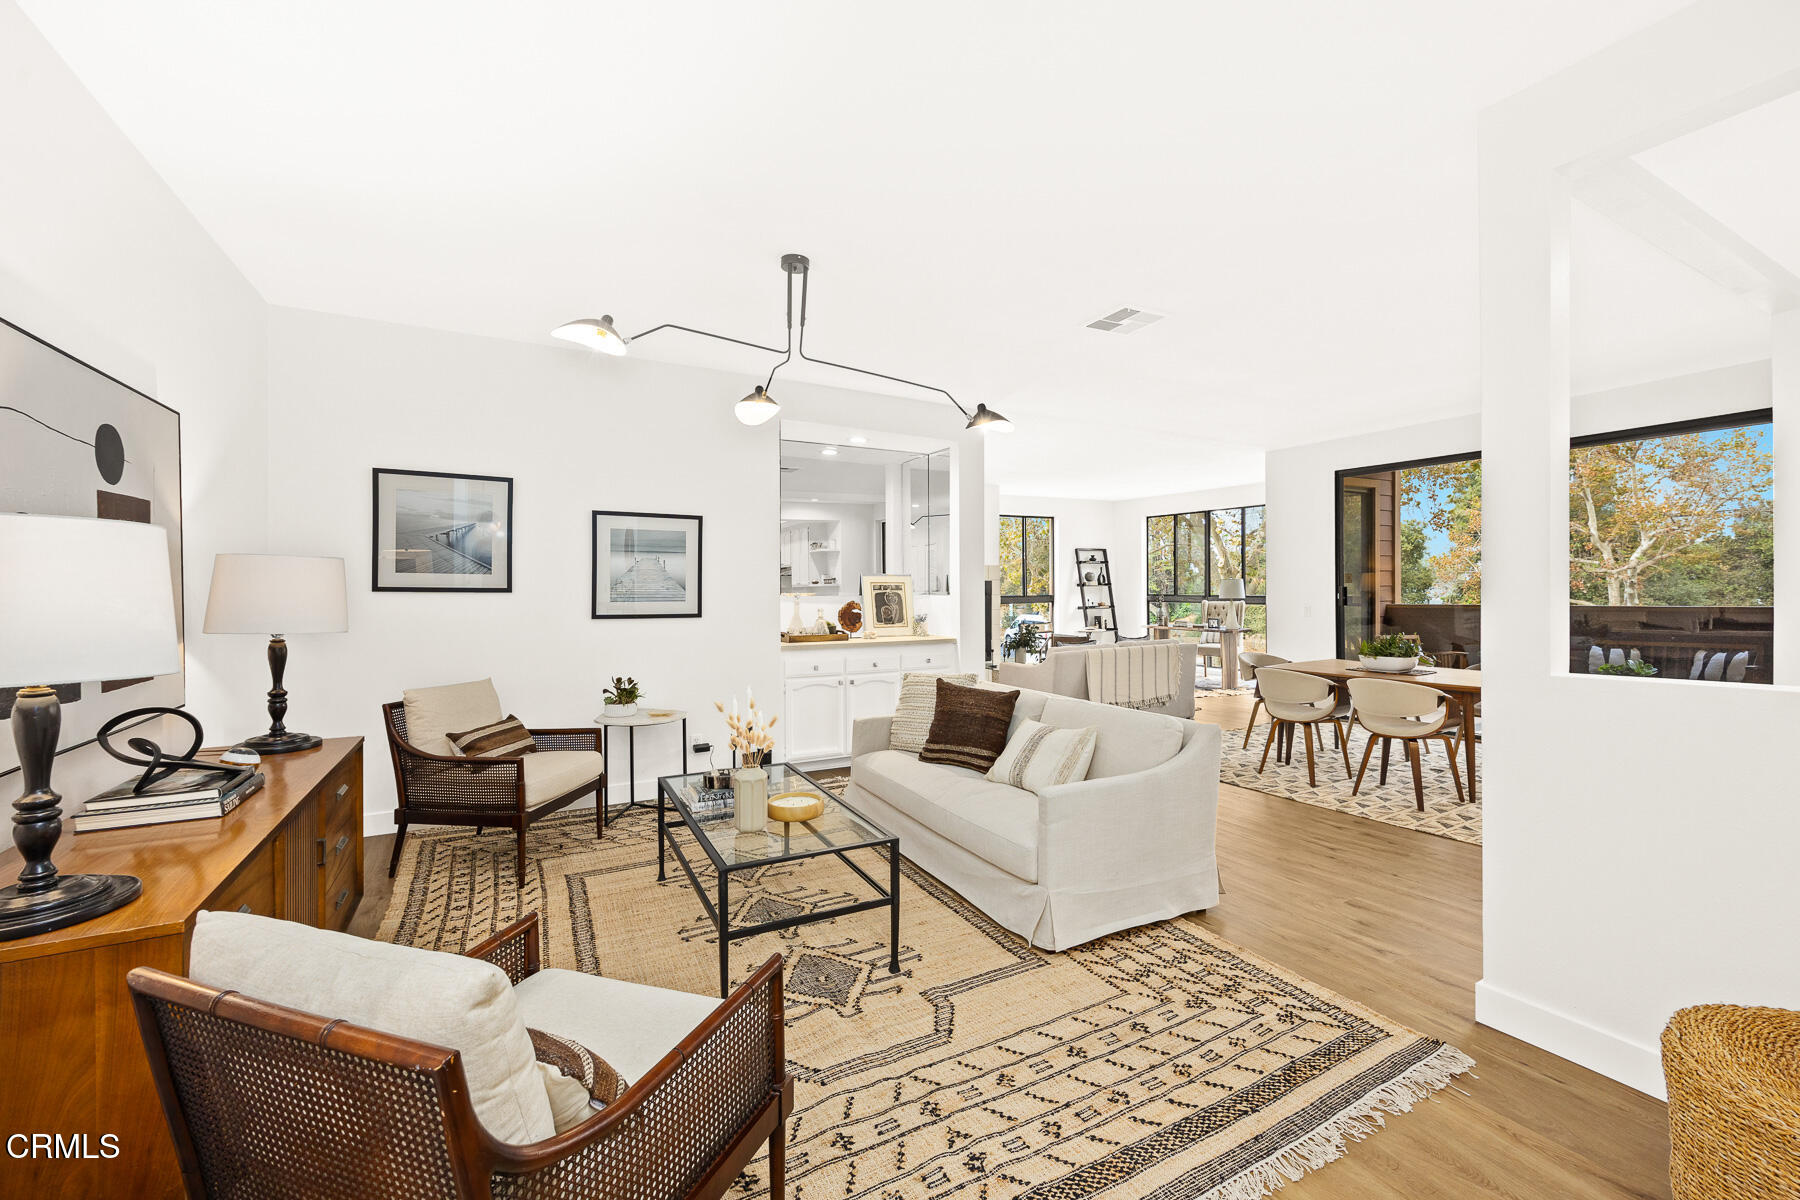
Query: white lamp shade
point(84, 600)
point(1232, 589)
point(276, 593)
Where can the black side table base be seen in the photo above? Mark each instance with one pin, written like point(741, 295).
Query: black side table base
point(72, 900)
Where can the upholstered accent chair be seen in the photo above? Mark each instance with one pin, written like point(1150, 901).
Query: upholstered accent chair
point(417, 1077)
point(437, 786)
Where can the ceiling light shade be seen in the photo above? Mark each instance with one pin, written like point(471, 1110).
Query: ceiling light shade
point(756, 408)
point(986, 420)
point(598, 335)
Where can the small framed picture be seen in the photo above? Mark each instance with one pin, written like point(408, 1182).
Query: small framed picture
point(646, 565)
point(1214, 623)
point(441, 532)
point(887, 605)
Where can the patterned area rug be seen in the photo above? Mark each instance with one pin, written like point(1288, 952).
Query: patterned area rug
point(1161, 1062)
point(1391, 803)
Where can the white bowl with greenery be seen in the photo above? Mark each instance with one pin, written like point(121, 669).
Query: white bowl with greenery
point(1391, 654)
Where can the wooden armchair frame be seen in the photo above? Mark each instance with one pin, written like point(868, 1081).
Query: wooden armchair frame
point(269, 1101)
point(444, 789)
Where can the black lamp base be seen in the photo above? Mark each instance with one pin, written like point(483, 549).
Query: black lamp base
point(285, 742)
point(71, 900)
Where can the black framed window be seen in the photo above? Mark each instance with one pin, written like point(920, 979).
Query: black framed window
point(1190, 556)
point(1672, 550)
point(1027, 567)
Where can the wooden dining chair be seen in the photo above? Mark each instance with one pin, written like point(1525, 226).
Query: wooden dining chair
point(1411, 712)
point(1297, 700)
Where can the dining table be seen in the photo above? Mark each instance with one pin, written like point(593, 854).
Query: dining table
point(1462, 686)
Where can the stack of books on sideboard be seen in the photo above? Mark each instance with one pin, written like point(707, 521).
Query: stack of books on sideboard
point(186, 795)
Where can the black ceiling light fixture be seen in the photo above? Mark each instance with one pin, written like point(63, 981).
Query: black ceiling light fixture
point(759, 406)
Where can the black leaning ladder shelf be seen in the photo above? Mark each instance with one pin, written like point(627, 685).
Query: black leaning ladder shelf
point(1093, 576)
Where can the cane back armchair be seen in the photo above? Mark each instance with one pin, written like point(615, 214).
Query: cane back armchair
point(270, 1102)
point(443, 789)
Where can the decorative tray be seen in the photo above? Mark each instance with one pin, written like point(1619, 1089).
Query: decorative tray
point(815, 637)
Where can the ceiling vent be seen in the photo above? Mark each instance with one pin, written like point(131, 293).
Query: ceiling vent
point(1126, 320)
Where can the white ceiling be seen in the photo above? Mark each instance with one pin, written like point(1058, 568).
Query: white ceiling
point(1291, 183)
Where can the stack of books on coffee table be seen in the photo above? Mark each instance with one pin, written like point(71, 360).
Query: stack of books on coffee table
point(187, 795)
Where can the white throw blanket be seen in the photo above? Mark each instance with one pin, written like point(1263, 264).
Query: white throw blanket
point(1134, 676)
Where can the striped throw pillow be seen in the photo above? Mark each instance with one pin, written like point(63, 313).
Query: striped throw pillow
point(969, 728)
point(579, 1081)
point(1041, 756)
point(915, 708)
point(502, 739)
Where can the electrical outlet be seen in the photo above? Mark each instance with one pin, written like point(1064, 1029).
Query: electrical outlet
point(1306, 610)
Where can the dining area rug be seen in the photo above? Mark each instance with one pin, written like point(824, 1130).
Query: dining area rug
point(1160, 1062)
point(1391, 803)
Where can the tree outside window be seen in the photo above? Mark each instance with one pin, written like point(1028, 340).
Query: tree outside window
point(1189, 556)
point(1027, 568)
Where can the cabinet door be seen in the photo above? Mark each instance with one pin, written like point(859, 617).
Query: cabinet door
point(815, 718)
point(870, 696)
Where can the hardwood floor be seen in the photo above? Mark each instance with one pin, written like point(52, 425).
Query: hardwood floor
point(1392, 918)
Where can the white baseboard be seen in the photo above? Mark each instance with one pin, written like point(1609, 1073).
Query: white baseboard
point(1631, 1063)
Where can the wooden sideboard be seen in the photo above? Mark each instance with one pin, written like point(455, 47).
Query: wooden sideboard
point(71, 1062)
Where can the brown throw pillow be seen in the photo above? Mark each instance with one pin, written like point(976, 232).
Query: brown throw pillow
point(502, 739)
point(600, 1083)
point(969, 727)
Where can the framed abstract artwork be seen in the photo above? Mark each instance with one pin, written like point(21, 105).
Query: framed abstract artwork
point(441, 532)
point(75, 442)
point(887, 602)
point(645, 565)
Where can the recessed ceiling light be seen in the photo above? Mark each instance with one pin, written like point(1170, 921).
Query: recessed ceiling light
point(829, 451)
point(813, 500)
point(859, 440)
point(1125, 320)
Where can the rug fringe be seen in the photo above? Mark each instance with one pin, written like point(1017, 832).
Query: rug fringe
point(1328, 1143)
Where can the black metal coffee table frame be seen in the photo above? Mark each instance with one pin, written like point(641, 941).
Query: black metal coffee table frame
point(719, 911)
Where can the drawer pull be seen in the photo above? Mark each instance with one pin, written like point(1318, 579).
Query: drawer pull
point(339, 902)
point(343, 840)
point(321, 849)
point(243, 908)
point(343, 790)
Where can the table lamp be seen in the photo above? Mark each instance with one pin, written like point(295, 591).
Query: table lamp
point(86, 600)
point(263, 593)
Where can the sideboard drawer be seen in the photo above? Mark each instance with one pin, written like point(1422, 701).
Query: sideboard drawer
point(866, 662)
point(340, 797)
point(251, 889)
point(930, 658)
point(798, 663)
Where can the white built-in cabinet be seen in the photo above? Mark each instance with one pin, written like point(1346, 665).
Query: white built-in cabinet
point(829, 689)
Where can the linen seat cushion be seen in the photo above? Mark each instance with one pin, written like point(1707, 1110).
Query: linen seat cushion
point(630, 1025)
point(916, 706)
point(433, 713)
point(553, 773)
point(994, 822)
point(447, 1000)
point(970, 726)
point(1128, 740)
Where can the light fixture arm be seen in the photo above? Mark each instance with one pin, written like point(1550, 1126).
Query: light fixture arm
point(797, 264)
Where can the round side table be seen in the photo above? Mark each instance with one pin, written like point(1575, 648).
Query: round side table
point(631, 724)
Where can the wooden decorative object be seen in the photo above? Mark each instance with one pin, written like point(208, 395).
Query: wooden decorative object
point(850, 616)
point(796, 806)
point(685, 1131)
point(294, 850)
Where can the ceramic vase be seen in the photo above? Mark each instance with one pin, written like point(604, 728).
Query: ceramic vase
point(619, 710)
point(750, 797)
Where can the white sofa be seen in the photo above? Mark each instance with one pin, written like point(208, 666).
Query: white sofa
point(1130, 844)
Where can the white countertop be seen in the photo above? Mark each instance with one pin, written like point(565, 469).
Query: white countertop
point(861, 643)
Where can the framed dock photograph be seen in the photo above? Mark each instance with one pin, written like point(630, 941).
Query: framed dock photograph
point(441, 532)
point(646, 565)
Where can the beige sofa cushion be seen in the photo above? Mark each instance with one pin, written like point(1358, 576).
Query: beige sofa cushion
point(446, 1000)
point(1042, 756)
point(434, 713)
point(630, 1025)
point(997, 823)
point(1129, 741)
point(552, 773)
point(916, 706)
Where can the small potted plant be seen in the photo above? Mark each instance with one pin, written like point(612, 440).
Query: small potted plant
point(621, 698)
point(1022, 640)
point(1394, 653)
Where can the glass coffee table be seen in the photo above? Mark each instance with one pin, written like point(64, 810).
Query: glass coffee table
point(712, 820)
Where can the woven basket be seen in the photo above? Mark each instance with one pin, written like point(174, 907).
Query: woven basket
point(1734, 1102)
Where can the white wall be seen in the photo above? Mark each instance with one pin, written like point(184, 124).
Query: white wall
point(1639, 838)
point(576, 432)
point(99, 258)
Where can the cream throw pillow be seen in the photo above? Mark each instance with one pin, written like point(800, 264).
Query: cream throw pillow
point(1041, 756)
point(916, 707)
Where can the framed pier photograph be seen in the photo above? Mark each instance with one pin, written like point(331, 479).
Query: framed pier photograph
point(646, 565)
point(441, 532)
